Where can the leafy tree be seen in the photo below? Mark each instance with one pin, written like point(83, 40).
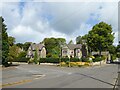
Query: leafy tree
point(118, 50)
point(14, 52)
point(118, 47)
point(112, 49)
point(70, 42)
point(78, 40)
point(5, 44)
point(81, 39)
point(53, 46)
point(20, 45)
point(26, 45)
point(22, 54)
point(100, 37)
point(11, 40)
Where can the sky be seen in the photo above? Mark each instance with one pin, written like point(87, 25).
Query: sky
point(34, 20)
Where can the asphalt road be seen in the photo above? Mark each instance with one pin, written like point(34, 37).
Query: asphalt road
point(40, 76)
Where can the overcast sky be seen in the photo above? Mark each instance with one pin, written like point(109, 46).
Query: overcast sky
point(35, 20)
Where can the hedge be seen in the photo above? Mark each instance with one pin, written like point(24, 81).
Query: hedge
point(75, 60)
point(64, 59)
point(97, 59)
point(49, 60)
point(84, 59)
point(57, 60)
point(22, 59)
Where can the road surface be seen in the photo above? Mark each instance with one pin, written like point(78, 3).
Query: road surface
point(41, 76)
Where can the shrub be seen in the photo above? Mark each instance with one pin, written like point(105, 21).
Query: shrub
point(31, 60)
point(52, 60)
point(118, 55)
point(22, 59)
point(74, 59)
point(49, 60)
point(97, 59)
point(64, 59)
point(49, 55)
point(42, 60)
point(113, 57)
point(84, 59)
point(90, 61)
point(22, 54)
point(67, 62)
point(36, 58)
point(103, 57)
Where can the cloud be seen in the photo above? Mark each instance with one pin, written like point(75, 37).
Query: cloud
point(31, 21)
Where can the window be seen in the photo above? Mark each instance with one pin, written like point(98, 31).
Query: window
point(64, 51)
point(78, 50)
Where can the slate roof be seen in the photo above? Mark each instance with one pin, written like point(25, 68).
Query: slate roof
point(37, 46)
point(74, 46)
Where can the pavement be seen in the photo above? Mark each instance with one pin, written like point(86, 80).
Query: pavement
point(43, 76)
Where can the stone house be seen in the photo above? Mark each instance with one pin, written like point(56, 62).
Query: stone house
point(74, 50)
point(40, 48)
point(104, 53)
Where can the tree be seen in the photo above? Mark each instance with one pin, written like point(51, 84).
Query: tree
point(112, 49)
point(53, 46)
point(78, 40)
point(26, 45)
point(118, 50)
point(14, 52)
point(5, 44)
point(11, 40)
point(70, 42)
point(118, 47)
point(81, 39)
point(22, 54)
point(100, 37)
point(20, 45)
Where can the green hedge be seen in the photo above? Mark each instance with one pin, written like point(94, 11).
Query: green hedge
point(64, 59)
point(75, 60)
point(49, 60)
point(22, 59)
point(84, 59)
point(57, 60)
point(97, 59)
